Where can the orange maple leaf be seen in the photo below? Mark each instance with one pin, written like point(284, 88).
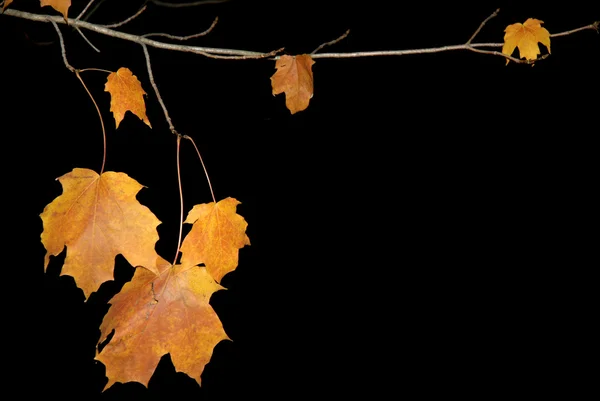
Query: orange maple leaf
point(6, 3)
point(526, 37)
point(98, 217)
point(294, 77)
point(155, 315)
point(126, 95)
point(217, 234)
point(62, 6)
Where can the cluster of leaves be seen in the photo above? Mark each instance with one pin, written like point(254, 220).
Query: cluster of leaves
point(165, 307)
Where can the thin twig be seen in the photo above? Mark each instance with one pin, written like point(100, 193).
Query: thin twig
point(85, 9)
point(495, 13)
point(63, 52)
point(592, 26)
point(151, 76)
point(87, 40)
point(206, 51)
point(332, 42)
point(192, 4)
point(96, 7)
point(118, 24)
point(182, 38)
point(203, 167)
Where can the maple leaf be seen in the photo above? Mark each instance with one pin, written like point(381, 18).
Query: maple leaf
point(526, 37)
point(62, 6)
point(215, 238)
point(126, 95)
point(155, 315)
point(294, 77)
point(98, 217)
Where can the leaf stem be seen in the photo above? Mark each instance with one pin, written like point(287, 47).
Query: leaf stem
point(76, 71)
point(203, 166)
point(180, 201)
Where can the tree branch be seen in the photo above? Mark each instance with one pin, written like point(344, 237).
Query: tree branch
point(192, 4)
point(235, 54)
point(118, 24)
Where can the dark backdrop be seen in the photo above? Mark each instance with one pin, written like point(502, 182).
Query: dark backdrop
point(421, 228)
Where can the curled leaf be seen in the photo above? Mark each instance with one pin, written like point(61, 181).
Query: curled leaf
point(294, 77)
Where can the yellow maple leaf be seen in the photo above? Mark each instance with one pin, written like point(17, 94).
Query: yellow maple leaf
point(97, 217)
point(217, 234)
point(126, 95)
point(62, 6)
point(526, 37)
point(155, 315)
point(294, 77)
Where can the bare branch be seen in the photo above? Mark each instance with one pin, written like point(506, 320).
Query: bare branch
point(63, 52)
point(332, 42)
point(206, 51)
point(118, 24)
point(495, 13)
point(87, 40)
point(182, 38)
point(593, 26)
point(192, 4)
point(85, 9)
point(151, 77)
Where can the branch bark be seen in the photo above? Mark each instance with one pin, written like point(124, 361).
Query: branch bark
point(215, 52)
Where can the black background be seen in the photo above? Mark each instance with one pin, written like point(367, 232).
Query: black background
point(421, 228)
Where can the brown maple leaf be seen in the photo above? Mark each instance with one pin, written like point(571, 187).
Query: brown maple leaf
point(155, 315)
point(526, 37)
point(62, 6)
point(294, 77)
point(216, 236)
point(126, 95)
point(97, 218)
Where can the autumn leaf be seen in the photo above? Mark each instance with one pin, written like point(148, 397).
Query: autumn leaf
point(215, 238)
point(294, 77)
point(126, 95)
point(6, 3)
point(526, 37)
point(97, 218)
point(62, 6)
point(155, 315)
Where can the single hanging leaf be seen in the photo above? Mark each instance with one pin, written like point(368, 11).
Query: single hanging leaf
point(97, 218)
point(216, 236)
point(294, 77)
point(526, 37)
point(126, 95)
point(155, 315)
point(62, 6)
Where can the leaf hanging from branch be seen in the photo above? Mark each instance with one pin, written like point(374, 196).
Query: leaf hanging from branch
point(155, 315)
point(62, 6)
point(126, 95)
point(294, 77)
point(526, 37)
point(98, 217)
point(217, 234)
